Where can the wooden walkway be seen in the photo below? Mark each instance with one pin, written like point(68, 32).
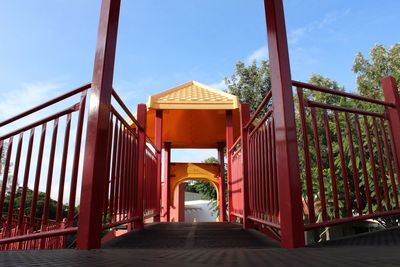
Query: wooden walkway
point(215, 244)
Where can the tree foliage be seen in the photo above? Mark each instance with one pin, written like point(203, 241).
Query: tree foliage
point(383, 62)
point(250, 83)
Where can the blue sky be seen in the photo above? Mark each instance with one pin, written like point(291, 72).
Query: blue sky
point(47, 46)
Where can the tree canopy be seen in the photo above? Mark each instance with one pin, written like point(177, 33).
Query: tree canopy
point(250, 83)
point(383, 62)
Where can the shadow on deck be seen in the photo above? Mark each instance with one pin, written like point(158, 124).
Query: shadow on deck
point(215, 244)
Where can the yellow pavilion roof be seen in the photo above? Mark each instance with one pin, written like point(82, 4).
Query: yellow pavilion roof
point(193, 95)
point(194, 115)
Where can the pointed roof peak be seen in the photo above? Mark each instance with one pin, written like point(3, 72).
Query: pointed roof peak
point(193, 95)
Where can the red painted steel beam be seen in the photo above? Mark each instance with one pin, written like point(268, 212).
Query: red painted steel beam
point(158, 146)
point(391, 95)
point(94, 168)
point(141, 116)
point(229, 144)
point(244, 119)
point(165, 214)
point(222, 187)
point(290, 204)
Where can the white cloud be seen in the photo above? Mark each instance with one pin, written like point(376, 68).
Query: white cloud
point(330, 18)
point(26, 96)
point(258, 55)
point(219, 85)
point(297, 34)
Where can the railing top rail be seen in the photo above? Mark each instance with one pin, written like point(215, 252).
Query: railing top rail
point(152, 144)
point(148, 149)
point(46, 104)
point(263, 103)
point(123, 121)
point(40, 122)
point(340, 93)
point(266, 117)
point(235, 144)
point(126, 109)
point(345, 109)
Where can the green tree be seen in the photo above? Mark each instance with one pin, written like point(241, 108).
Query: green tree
point(250, 83)
point(383, 62)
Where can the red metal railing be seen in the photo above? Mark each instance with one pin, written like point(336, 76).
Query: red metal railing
point(150, 197)
point(349, 171)
point(236, 187)
point(38, 214)
point(262, 180)
point(349, 159)
point(34, 161)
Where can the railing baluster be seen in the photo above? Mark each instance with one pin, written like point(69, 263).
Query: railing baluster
point(363, 163)
point(113, 172)
point(46, 205)
point(319, 164)
point(14, 185)
point(353, 164)
point(37, 178)
point(108, 177)
point(5, 174)
point(307, 163)
point(21, 223)
point(389, 163)
point(331, 164)
point(264, 180)
point(343, 166)
point(373, 165)
point(75, 164)
point(382, 168)
point(63, 170)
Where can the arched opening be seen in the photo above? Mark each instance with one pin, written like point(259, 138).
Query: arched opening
point(195, 200)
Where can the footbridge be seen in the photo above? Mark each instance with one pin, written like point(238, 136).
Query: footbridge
point(95, 179)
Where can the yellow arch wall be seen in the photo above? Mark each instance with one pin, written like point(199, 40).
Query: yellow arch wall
point(181, 172)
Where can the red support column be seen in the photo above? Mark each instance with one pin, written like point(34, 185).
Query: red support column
point(229, 143)
point(290, 205)
point(244, 119)
point(95, 162)
point(141, 117)
point(158, 144)
point(391, 95)
point(177, 209)
point(222, 187)
point(165, 214)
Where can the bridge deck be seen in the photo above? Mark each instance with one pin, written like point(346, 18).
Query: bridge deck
point(215, 244)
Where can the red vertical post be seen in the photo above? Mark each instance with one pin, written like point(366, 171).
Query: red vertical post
point(287, 162)
point(141, 117)
point(391, 95)
point(158, 144)
point(244, 119)
point(229, 143)
point(165, 214)
point(222, 187)
point(94, 168)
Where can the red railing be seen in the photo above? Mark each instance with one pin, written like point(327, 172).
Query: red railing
point(236, 180)
point(350, 169)
point(38, 214)
point(261, 177)
point(31, 153)
point(150, 197)
point(348, 158)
